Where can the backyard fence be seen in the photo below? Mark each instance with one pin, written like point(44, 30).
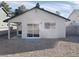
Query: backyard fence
point(72, 30)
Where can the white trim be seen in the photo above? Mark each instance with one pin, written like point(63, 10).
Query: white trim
point(17, 30)
point(8, 30)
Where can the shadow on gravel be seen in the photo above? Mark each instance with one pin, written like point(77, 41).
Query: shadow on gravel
point(4, 34)
point(19, 46)
point(72, 38)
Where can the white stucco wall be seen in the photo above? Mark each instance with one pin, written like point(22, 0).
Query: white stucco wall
point(20, 27)
point(40, 17)
point(37, 16)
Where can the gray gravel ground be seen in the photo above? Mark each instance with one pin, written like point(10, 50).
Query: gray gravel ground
point(39, 48)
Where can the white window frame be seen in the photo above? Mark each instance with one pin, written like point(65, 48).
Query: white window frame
point(33, 30)
point(49, 25)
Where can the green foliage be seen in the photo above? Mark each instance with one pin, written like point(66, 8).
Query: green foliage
point(17, 12)
point(5, 6)
point(37, 5)
point(20, 10)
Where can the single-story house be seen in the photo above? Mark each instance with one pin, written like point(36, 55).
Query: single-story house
point(73, 25)
point(74, 16)
point(38, 23)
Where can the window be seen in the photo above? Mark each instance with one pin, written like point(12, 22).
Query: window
point(47, 25)
point(33, 30)
point(19, 32)
point(50, 25)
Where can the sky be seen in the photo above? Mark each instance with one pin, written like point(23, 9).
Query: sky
point(64, 7)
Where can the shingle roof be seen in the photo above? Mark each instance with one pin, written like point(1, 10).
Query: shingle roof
point(6, 20)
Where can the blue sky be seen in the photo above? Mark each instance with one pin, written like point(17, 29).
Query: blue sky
point(64, 7)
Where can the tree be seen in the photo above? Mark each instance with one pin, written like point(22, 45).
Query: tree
point(37, 5)
point(17, 12)
point(5, 6)
point(20, 10)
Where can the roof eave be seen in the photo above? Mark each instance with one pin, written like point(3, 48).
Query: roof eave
point(40, 9)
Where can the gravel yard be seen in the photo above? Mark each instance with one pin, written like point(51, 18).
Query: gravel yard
point(37, 48)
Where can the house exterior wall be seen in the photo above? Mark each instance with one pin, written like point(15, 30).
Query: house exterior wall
point(40, 17)
point(74, 16)
point(3, 15)
point(19, 28)
point(73, 25)
point(37, 16)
